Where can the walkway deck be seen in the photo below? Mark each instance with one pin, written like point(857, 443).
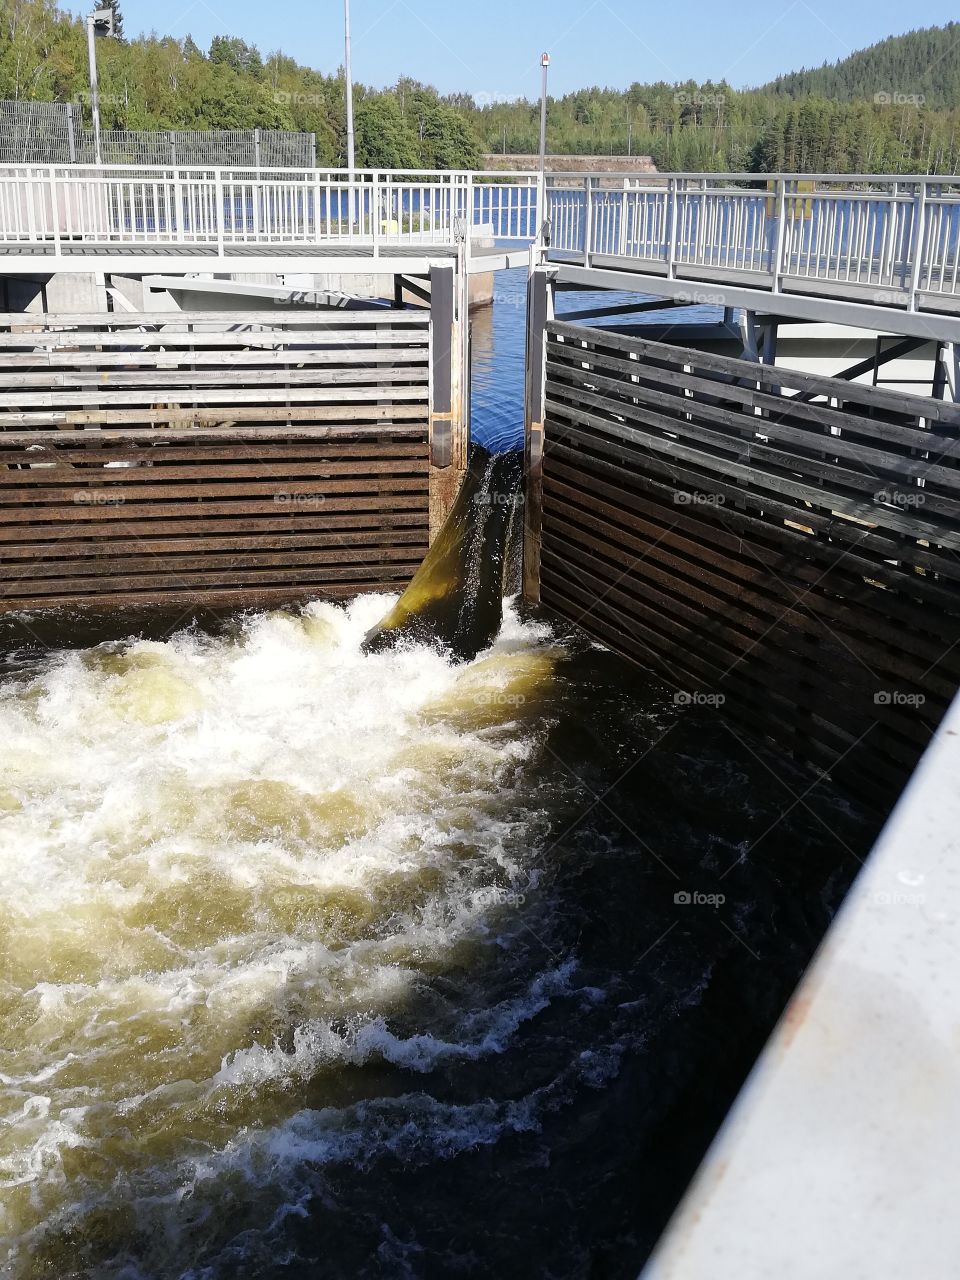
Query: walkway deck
point(864, 250)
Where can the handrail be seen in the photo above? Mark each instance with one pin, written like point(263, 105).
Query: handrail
point(896, 245)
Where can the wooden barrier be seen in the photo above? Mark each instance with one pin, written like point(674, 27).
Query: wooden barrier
point(227, 460)
point(781, 546)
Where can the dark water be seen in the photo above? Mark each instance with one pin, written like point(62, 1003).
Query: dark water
point(317, 963)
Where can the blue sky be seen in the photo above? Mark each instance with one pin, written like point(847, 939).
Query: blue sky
point(493, 47)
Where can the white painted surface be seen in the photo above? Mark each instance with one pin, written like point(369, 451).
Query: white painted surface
point(841, 1158)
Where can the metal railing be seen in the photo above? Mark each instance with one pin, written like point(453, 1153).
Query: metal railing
point(111, 206)
point(884, 240)
point(890, 241)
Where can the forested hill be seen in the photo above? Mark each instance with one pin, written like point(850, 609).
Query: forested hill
point(924, 64)
point(894, 108)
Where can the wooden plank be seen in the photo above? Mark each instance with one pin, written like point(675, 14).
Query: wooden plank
point(270, 318)
point(343, 415)
point(705, 468)
point(147, 437)
point(711, 554)
point(28, 366)
point(176, 339)
point(868, 551)
point(817, 416)
point(896, 481)
point(99, 476)
point(247, 597)
point(256, 540)
point(339, 395)
point(20, 517)
point(49, 456)
point(281, 575)
point(106, 567)
point(773, 376)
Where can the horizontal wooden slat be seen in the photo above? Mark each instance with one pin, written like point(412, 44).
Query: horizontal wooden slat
point(700, 518)
point(257, 458)
point(336, 318)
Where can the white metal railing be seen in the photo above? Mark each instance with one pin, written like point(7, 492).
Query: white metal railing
point(886, 240)
point(889, 240)
point(109, 206)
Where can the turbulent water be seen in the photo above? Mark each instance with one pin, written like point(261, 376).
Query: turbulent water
point(324, 963)
point(317, 962)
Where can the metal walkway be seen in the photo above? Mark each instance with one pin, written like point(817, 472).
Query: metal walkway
point(878, 251)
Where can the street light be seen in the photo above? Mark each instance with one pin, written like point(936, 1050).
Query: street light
point(348, 76)
point(99, 23)
point(544, 63)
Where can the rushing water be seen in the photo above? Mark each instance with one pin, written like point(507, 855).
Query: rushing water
point(324, 963)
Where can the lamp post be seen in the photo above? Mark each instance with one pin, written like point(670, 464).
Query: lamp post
point(544, 63)
point(348, 76)
point(99, 23)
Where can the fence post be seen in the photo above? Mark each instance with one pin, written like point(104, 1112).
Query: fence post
point(218, 210)
point(587, 219)
point(256, 151)
point(54, 210)
point(71, 142)
point(375, 212)
point(918, 233)
point(777, 266)
point(672, 201)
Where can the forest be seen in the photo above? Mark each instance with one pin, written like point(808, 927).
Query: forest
point(892, 108)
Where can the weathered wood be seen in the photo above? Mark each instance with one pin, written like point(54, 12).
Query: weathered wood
point(798, 558)
point(191, 468)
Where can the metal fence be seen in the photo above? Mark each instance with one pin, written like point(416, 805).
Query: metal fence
point(54, 133)
point(889, 237)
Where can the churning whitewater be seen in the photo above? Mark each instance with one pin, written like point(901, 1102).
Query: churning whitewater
point(242, 864)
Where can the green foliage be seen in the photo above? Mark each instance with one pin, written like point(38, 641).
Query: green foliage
point(892, 108)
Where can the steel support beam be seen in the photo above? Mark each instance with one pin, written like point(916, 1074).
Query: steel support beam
point(931, 325)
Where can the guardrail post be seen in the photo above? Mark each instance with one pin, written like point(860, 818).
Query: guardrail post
point(778, 266)
point(375, 213)
point(672, 201)
point(917, 246)
point(587, 219)
point(54, 210)
point(219, 211)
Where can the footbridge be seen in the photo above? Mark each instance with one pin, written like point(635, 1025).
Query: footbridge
point(848, 248)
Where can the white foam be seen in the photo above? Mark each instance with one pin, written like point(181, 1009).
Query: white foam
point(206, 842)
